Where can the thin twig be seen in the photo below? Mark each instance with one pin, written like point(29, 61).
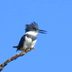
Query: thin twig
point(13, 58)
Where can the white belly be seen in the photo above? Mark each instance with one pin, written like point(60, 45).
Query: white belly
point(29, 43)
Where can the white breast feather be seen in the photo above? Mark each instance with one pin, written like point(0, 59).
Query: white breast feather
point(33, 43)
point(27, 42)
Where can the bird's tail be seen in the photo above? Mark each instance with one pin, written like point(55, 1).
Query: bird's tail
point(15, 46)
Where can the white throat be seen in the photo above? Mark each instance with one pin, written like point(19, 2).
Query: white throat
point(33, 33)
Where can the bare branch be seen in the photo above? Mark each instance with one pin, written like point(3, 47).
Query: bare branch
point(13, 58)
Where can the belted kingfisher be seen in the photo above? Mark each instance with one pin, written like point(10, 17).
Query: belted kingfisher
point(28, 40)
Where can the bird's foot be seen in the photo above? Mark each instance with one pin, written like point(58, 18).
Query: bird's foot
point(31, 48)
point(28, 49)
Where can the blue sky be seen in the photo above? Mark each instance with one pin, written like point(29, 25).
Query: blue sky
point(53, 51)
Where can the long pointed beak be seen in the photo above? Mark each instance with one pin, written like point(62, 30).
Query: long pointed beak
point(42, 31)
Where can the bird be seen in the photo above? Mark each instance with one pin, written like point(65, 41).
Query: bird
point(29, 39)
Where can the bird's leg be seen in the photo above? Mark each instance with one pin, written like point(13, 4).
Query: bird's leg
point(31, 48)
point(22, 49)
point(27, 49)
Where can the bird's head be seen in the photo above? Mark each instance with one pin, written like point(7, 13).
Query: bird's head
point(34, 27)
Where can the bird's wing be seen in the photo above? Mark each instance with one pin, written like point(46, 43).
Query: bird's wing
point(21, 42)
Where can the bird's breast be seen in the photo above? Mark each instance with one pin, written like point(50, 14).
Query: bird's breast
point(28, 42)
